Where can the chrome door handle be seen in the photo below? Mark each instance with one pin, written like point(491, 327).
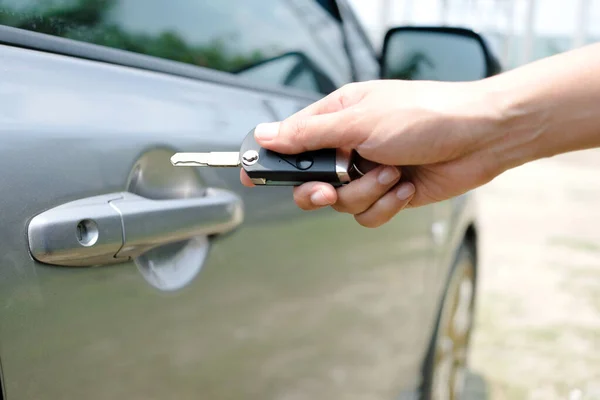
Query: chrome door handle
point(114, 228)
point(151, 223)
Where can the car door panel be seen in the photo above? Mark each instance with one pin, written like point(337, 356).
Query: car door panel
point(289, 305)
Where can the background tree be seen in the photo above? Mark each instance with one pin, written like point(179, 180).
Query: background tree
point(86, 20)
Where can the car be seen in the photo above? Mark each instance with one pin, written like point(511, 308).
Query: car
point(124, 277)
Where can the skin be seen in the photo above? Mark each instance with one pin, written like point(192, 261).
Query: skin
point(431, 141)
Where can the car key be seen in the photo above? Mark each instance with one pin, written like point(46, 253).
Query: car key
point(269, 168)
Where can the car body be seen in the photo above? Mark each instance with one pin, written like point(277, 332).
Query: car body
point(103, 295)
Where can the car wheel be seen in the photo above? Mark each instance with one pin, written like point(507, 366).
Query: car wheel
point(446, 363)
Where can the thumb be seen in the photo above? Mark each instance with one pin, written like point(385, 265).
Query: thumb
point(305, 133)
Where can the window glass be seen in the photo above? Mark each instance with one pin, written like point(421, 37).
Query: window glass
point(226, 35)
point(279, 70)
point(367, 67)
point(362, 53)
point(291, 69)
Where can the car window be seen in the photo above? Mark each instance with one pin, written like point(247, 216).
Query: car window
point(361, 51)
point(291, 69)
point(225, 35)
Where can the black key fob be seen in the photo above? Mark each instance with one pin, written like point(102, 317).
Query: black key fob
point(266, 167)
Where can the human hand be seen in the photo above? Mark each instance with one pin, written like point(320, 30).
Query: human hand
point(429, 137)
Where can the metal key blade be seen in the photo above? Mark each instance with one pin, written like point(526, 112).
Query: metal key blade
point(212, 159)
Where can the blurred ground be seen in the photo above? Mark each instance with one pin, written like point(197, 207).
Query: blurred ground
point(538, 320)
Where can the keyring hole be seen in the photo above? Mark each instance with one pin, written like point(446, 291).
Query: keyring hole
point(87, 232)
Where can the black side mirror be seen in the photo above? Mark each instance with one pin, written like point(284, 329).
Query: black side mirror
point(437, 54)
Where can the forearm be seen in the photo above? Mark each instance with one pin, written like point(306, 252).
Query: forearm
point(545, 108)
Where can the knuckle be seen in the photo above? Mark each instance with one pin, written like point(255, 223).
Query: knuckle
point(345, 89)
point(356, 126)
point(349, 207)
point(299, 128)
point(346, 94)
point(305, 207)
point(366, 221)
point(303, 203)
point(341, 208)
point(293, 130)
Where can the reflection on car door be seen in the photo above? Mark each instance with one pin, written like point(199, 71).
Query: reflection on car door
point(289, 305)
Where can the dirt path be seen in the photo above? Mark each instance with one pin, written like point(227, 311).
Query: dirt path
point(538, 321)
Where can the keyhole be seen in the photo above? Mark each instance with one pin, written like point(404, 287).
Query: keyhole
point(87, 232)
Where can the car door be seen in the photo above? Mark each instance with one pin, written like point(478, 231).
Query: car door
point(125, 277)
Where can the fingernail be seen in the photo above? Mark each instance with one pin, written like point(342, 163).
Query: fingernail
point(319, 199)
point(388, 175)
point(266, 131)
point(405, 191)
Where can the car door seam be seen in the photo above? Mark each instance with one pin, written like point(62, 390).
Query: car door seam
point(114, 207)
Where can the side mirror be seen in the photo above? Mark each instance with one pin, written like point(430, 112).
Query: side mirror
point(437, 54)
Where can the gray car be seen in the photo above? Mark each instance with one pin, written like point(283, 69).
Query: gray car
point(123, 277)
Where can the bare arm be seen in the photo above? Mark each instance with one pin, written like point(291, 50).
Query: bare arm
point(443, 139)
point(545, 108)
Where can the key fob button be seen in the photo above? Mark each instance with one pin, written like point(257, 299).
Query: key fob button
point(304, 162)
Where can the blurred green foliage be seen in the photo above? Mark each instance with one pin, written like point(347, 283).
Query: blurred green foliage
point(86, 21)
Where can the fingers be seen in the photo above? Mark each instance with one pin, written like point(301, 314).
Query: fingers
point(338, 100)
point(309, 196)
point(328, 104)
point(373, 199)
point(297, 135)
point(384, 209)
point(314, 195)
point(245, 179)
point(359, 195)
point(326, 123)
point(354, 198)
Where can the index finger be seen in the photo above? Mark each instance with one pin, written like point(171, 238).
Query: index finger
point(328, 104)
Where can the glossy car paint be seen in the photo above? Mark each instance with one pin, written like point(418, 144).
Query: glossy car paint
point(290, 305)
point(299, 303)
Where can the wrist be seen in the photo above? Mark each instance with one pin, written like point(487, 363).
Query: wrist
point(514, 124)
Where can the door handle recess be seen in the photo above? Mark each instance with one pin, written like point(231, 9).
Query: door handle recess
point(118, 227)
